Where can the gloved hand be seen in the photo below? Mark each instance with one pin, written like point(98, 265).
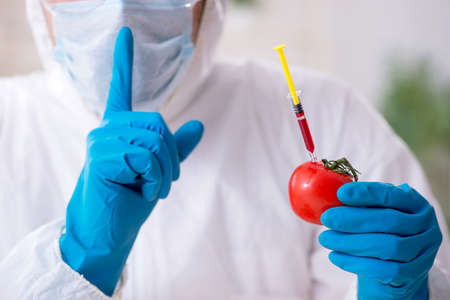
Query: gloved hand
point(132, 158)
point(388, 235)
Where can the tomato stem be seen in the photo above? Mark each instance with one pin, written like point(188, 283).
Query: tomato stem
point(341, 166)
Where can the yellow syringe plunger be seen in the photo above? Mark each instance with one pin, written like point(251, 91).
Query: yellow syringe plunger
point(287, 73)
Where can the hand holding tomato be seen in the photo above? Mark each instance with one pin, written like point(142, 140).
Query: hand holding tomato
point(388, 235)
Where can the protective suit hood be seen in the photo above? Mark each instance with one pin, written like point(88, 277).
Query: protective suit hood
point(207, 40)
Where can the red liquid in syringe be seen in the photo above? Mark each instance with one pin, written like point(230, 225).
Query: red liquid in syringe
point(306, 133)
point(304, 128)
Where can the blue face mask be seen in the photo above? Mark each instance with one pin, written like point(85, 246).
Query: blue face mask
point(85, 33)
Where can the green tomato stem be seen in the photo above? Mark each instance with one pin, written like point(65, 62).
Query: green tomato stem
point(341, 166)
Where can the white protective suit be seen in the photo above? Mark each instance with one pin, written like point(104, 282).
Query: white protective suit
point(226, 231)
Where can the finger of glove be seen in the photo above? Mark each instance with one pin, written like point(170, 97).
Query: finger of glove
point(141, 138)
point(156, 145)
point(378, 245)
point(117, 161)
point(159, 148)
point(150, 181)
point(377, 194)
point(187, 138)
point(385, 271)
point(368, 288)
point(151, 190)
point(120, 92)
point(371, 220)
point(150, 121)
point(147, 183)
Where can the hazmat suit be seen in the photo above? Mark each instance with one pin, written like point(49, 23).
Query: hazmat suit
point(226, 231)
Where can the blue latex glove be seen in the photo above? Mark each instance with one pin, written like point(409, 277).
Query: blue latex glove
point(388, 235)
point(132, 158)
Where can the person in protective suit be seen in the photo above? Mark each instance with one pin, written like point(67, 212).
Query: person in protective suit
point(130, 101)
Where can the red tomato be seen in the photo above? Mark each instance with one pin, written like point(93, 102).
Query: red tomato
point(313, 190)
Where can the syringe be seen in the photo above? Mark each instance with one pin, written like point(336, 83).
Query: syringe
point(298, 108)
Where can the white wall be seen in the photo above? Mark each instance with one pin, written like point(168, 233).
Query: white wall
point(17, 51)
point(351, 39)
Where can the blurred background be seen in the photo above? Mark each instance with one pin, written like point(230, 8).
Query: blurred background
point(397, 53)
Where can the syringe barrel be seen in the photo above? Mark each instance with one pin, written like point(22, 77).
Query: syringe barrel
point(306, 133)
point(304, 127)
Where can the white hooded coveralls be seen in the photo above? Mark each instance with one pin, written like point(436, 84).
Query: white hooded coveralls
point(227, 230)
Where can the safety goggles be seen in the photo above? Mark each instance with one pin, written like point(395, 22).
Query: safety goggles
point(87, 6)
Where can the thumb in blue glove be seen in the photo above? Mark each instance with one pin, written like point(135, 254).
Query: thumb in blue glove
point(132, 159)
point(388, 235)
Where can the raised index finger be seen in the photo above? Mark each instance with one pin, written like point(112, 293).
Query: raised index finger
point(377, 194)
point(120, 91)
